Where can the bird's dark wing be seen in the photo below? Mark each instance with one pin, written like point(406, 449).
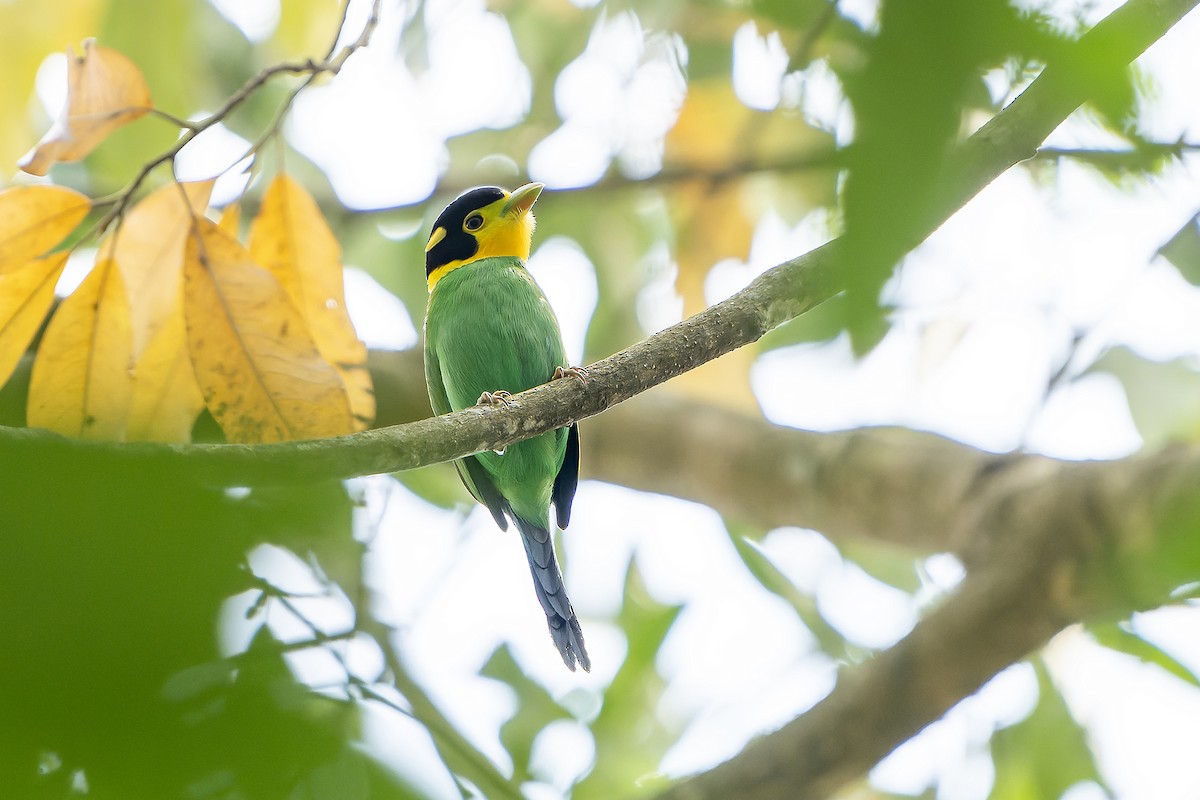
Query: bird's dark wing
point(480, 485)
point(567, 479)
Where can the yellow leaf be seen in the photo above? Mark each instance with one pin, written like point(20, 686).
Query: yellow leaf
point(258, 367)
point(81, 382)
point(29, 30)
point(105, 90)
point(148, 248)
point(231, 219)
point(34, 219)
point(26, 295)
point(166, 397)
point(718, 133)
point(291, 238)
point(304, 27)
point(710, 132)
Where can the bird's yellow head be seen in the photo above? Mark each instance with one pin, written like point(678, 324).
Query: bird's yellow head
point(481, 223)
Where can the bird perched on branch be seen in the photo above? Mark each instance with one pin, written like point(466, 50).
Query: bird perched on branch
point(490, 333)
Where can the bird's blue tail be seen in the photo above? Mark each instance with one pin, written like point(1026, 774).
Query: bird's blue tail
point(552, 594)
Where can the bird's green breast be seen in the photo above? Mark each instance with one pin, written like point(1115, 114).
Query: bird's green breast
point(488, 327)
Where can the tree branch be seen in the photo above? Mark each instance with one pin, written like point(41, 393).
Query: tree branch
point(774, 297)
point(1048, 560)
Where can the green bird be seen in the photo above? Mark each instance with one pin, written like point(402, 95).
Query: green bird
point(489, 333)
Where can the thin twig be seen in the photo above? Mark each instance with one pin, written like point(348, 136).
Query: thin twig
point(310, 67)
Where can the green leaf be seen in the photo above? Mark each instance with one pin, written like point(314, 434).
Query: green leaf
point(886, 563)
point(1183, 251)
point(535, 710)
point(1164, 396)
point(766, 573)
point(1046, 753)
point(630, 741)
point(1120, 637)
point(437, 484)
point(821, 324)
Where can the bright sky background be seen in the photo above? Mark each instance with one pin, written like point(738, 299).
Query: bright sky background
point(987, 310)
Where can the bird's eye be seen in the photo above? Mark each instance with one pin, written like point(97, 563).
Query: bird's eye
point(474, 222)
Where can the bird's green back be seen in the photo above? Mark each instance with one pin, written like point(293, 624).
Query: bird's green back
point(489, 327)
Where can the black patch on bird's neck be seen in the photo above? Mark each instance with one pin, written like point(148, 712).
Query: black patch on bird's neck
point(458, 245)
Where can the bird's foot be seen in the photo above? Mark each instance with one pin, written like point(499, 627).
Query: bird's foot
point(496, 398)
point(578, 373)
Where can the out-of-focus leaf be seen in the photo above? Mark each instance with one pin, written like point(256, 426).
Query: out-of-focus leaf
point(535, 710)
point(258, 367)
point(353, 775)
point(148, 248)
point(81, 383)
point(34, 219)
point(1183, 251)
point(468, 765)
point(166, 397)
point(766, 573)
point(290, 237)
point(185, 32)
point(26, 295)
point(820, 324)
point(438, 484)
point(1118, 636)
point(716, 134)
point(28, 31)
point(136, 544)
point(891, 565)
point(105, 90)
point(231, 220)
point(630, 744)
point(1044, 754)
point(306, 28)
point(908, 102)
point(1164, 396)
point(799, 14)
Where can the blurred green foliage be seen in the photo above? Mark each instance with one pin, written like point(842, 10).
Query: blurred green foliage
point(1045, 754)
point(111, 581)
point(113, 576)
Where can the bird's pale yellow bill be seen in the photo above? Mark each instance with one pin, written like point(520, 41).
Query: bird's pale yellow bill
point(435, 237)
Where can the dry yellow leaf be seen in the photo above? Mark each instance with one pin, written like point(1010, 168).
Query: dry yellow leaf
point(81, 382)
point(148, 247)
point(26, 294)
point(105, 90)
point(34, 219)
point(258, 367)
point(231, 219)
point(166, 397)
point(290, 237)
point(29, 30)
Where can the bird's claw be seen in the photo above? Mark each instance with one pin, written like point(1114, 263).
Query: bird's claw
point(578, 373)
point(497, 398)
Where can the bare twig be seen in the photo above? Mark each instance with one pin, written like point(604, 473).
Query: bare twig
point(312, 68)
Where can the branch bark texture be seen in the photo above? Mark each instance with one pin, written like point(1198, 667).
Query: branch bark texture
point(775, 297)
point(1047, 542)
